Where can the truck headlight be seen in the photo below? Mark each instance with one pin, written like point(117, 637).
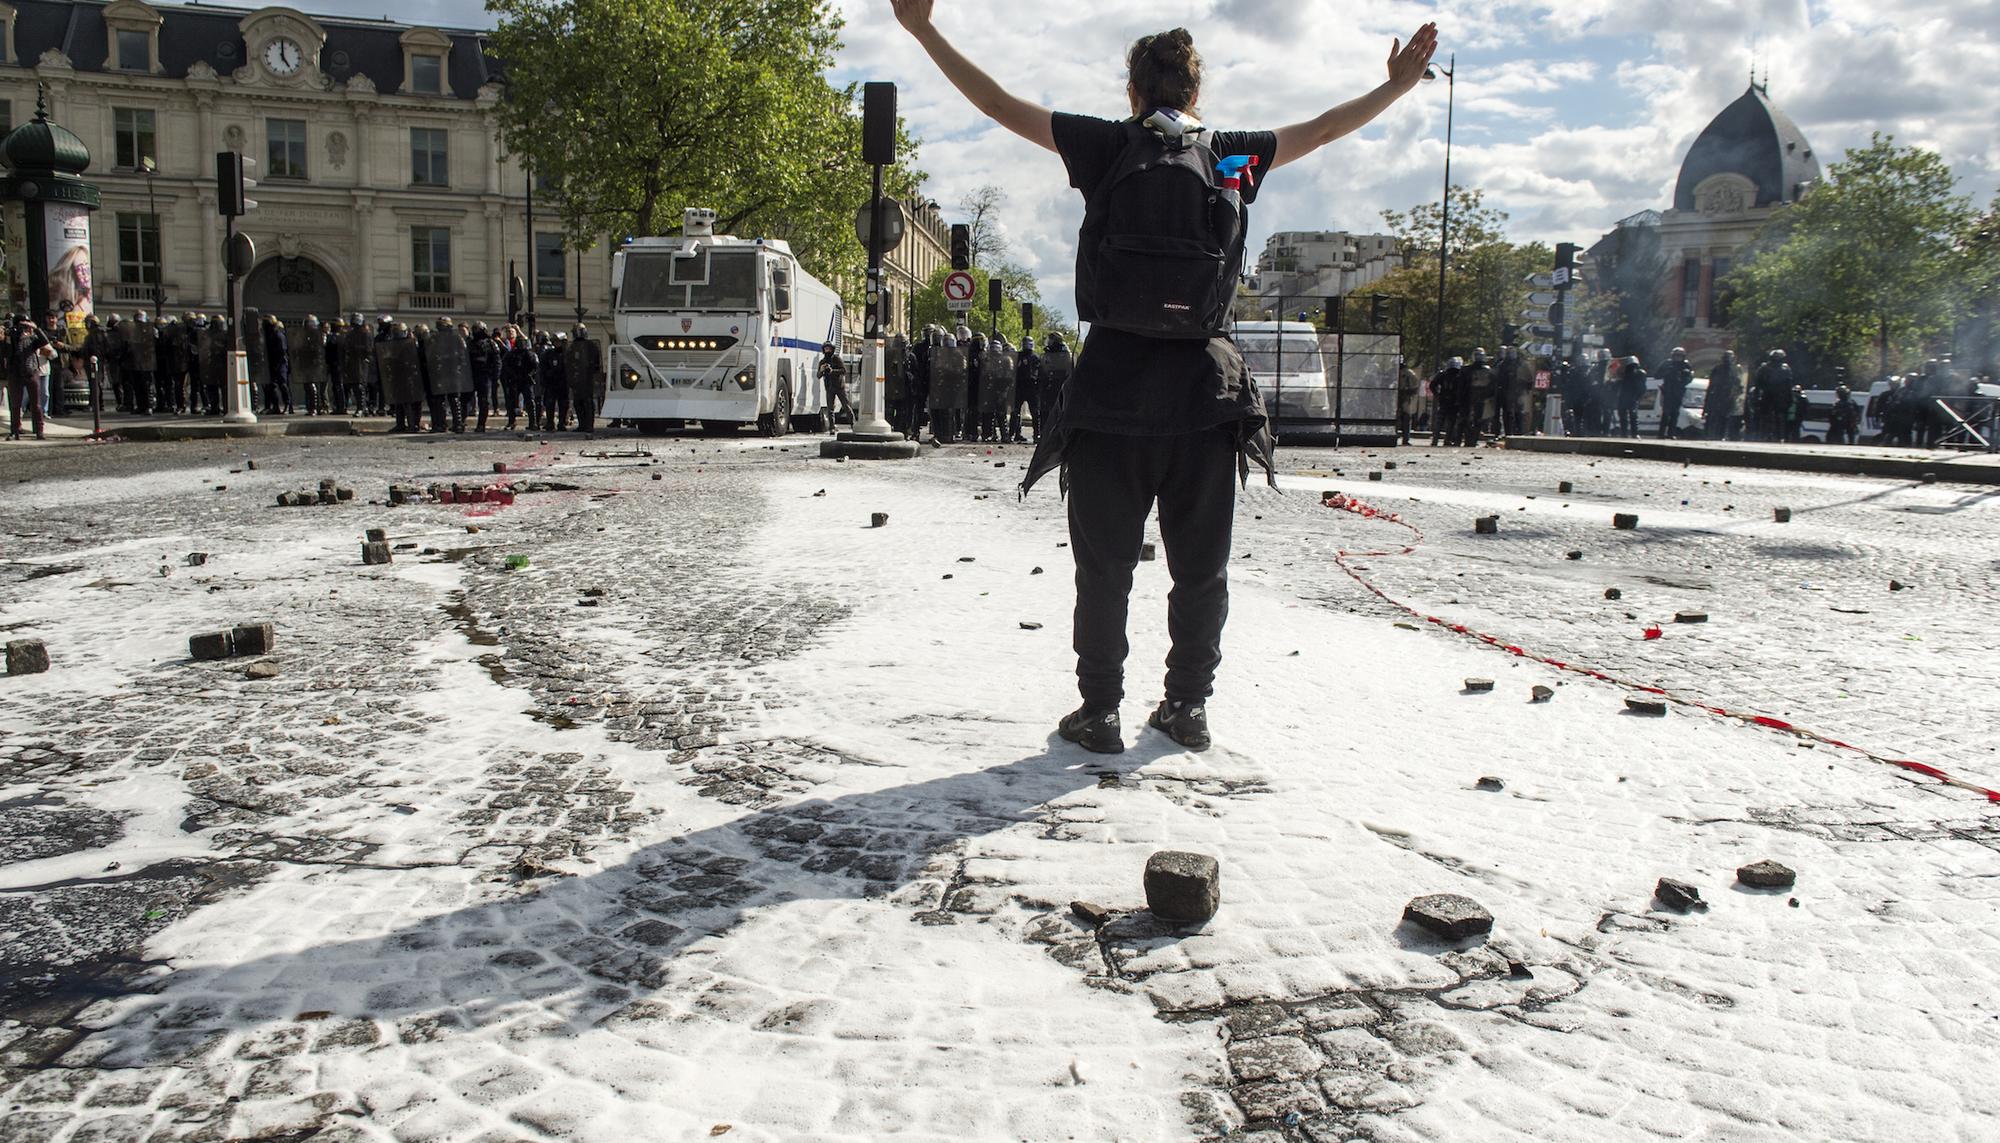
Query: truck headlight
point(746, 378)
point(628, 377)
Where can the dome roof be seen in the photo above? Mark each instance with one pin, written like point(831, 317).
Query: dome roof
point(1753, 139)
point(40, 146)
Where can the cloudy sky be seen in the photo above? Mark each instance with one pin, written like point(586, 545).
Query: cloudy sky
point(1570, 115)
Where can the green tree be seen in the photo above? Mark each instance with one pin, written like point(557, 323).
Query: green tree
point(1485, 280)
point(1870, 263)
point(981, 208)
point(633, 109)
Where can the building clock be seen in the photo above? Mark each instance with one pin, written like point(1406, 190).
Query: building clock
point(284, 56)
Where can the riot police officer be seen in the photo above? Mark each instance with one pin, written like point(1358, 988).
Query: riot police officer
point(1674, 378)
point(583, 369)
point(518, 367)
point(1448, 403)
point(832, 373)
point(1773, 388)
point(484, 352)
point(1027, 381)
point(1723, 406)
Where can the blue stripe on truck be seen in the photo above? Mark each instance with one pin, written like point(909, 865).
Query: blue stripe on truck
point(795, 343)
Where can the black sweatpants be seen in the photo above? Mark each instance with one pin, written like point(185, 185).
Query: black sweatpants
point(1114, 482)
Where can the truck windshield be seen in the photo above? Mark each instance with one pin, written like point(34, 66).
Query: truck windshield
point(650, 282)
point(1301, 354)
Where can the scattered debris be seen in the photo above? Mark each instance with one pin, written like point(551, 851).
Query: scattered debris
point(196, 559)
point(1540, 693)
point(1679, 895)
point(1030, 625)
point(1489, 783)
point(211, 645)
point(516, 563)
point(1147, 552)
point(499, 466)
point(1898, 585)
point(1625, 521)
point(1034, 571)
point(375, 552)
point(1093, 915)
point(1690, 617)
point(253, 638)
point(1654, 707)
point(1652, 630)
point(1613, 593)
point(1450, 916)
point(1183, 887)
point(1478, 686)
point(1375, 474)
point(1575, 555)
point(878, 519)
point(1782, 515)
point(1766, 874)
point(1564, 488)
point(27, 657)
point(1486, 525)
point(1406, 626)
point(376, 535)
point(261, 669)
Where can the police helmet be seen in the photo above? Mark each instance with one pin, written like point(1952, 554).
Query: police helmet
point(1777, 355)
point(1679, 352)
point(1455, 363)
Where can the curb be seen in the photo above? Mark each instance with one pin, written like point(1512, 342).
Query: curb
point(208, 430)
point(1970, 468)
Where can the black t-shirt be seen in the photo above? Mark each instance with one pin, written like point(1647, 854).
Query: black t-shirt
point(1143, 386)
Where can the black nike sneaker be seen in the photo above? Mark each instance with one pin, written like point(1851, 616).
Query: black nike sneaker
point(1184, 722)
point(1096, 729)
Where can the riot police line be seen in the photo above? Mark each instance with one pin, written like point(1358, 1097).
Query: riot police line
point(447, 376)
point(963, 387)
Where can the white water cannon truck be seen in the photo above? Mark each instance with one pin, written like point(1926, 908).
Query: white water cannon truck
point(717, 329)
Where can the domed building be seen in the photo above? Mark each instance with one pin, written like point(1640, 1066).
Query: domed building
point(1747, 163)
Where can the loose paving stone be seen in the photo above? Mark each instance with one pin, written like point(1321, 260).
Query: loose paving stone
point(253, 638)
point(1490, 783)
point(1613, 593)
point(375, 552)
point(1030, 625)
point(262, 670)
point(1449, 915)
point(1486, 525)
point(27, 657)
point(1478, 686)
point(1147, 552)
point(1625, 521)
point(1540, 693)
point(376, 535)
point(196, 559)
point(211, 645)
point(1089, 913)
point(1183, 887)
point(1646, 706)
point(1575, 555)
point(1565, 487)
point(878, 519)
point(1766, 874)
point(1375, 475)
point(1690, 617)
point(1782, 515)
point(1679, 896)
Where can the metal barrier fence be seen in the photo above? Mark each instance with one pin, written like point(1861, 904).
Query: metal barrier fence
point(1969, 423)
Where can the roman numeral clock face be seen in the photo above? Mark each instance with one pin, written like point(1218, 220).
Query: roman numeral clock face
point(284, 56)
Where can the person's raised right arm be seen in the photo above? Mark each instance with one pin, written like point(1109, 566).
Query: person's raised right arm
point(1035, 124)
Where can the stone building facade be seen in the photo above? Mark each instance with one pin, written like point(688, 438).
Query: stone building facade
point(1320, 264)
point(382, 186)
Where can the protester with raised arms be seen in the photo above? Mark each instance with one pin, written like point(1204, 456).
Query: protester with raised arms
point(1159, 407)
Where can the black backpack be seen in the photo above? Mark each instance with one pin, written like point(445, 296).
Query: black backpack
point(1162, 241)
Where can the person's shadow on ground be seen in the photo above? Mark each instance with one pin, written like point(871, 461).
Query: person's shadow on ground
point(585, 948)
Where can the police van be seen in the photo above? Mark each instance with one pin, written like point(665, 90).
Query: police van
point(721, 330)
point(1285, 359)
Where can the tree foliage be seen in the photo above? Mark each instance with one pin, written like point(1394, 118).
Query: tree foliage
point(981, 208)
point(1866, 269)
point(634, 109)
point(1020, 286)
point(1485, 280)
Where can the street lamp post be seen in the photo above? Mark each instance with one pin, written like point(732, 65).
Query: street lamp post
point(1450, 71)
point(151, 170)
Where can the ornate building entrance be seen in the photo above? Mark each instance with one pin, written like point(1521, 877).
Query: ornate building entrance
point(291, 288)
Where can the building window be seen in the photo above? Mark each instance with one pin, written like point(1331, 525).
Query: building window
point(551, 279)
point(1690, 291)
point(135, 50)
point(287, 139)
point(427, 75)
point(139, 249)
point(132, 127)
point(430, 258)
point(430, 158)
point(6, 117)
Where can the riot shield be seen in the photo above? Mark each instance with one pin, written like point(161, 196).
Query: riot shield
point(396, 363)
point(357, 357)
point(446, 361)
point(896, 373)
point(307, 344)
point(996, 380)
point(948, 378)
point(251, 340)
point(583, 369)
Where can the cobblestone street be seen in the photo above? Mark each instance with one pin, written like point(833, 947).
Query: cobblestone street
point(671, 800)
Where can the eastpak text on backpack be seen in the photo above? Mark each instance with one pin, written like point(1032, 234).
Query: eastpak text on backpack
point(1162, 241)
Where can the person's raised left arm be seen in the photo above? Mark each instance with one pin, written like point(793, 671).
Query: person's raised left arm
point(1406, 68)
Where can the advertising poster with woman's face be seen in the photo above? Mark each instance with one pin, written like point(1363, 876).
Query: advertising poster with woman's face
point(68, 233)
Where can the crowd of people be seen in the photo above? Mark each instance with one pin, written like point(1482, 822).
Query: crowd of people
point(448, 376)
point(962, 386)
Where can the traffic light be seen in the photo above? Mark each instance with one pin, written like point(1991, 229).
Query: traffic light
point(517, 295)
point(232, 180)
point(878, 124)
point(1510, 334)
point(1027, 318)
point(994, 297)
point(1565, 255)
point(1378, 312)
point(961, 246)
